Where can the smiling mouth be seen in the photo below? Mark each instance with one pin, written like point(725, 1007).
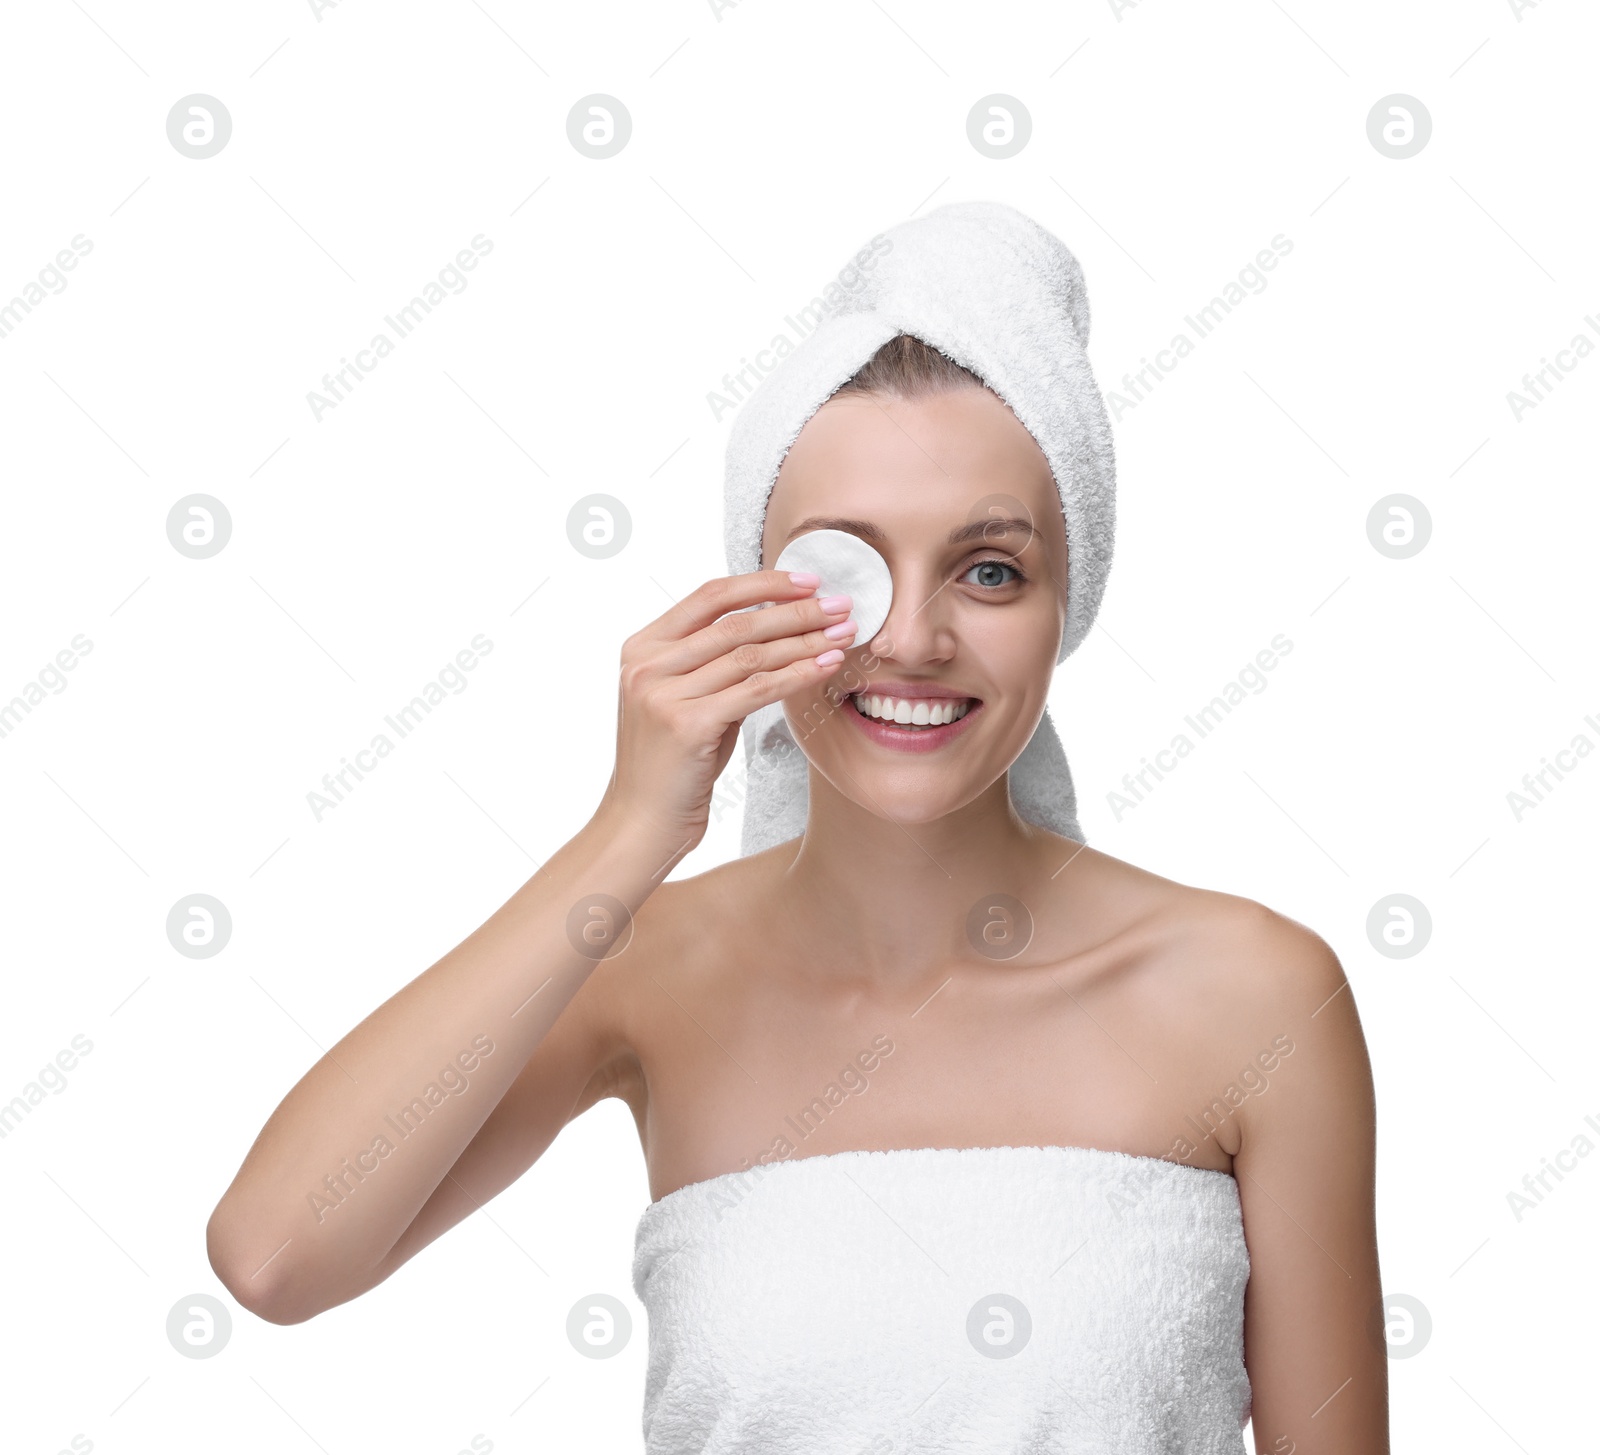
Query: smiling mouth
point(912, 714)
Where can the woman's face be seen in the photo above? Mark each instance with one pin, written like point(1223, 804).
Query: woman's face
point(945, 488)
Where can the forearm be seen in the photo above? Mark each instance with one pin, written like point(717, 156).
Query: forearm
point(361, 1142)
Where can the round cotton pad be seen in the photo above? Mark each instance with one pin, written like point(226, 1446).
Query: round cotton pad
point(848, 567)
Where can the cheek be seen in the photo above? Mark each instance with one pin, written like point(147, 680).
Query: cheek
point(1018, 655)
point(814, 717)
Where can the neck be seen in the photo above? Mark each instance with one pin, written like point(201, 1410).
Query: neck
point(872, 899)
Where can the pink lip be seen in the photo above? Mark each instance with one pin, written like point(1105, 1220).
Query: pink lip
point(929, 740)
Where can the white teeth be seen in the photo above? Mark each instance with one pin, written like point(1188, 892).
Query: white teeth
point(912, 711)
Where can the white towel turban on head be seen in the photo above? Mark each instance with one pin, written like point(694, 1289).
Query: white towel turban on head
point(994, 291)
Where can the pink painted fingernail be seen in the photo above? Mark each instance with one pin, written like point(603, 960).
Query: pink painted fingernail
point(830, 659)
point(839, 631)
point(805, 578)
point(834, 604)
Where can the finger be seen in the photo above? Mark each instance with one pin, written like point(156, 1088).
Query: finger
point(760, 689)
point(749, 630)
point(717, 597)
point(795, 659)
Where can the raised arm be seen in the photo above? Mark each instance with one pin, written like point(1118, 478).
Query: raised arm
point(365, 1139)
point(437, 1101)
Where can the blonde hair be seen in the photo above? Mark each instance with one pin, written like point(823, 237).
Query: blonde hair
point(908, 368)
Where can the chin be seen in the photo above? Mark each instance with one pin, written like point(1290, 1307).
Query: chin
point(897, 798)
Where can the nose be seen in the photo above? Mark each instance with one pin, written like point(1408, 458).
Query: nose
point(918, 627)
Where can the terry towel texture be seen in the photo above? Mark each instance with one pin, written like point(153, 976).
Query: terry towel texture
point(992, 289)
point(837, 1305)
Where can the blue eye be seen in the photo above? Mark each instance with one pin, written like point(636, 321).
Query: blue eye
point(991, 565)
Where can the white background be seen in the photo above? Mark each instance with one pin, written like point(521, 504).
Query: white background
point(1171, 142)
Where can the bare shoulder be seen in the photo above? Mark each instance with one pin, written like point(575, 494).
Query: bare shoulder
point(1259, 956)
point(684, 921)
point(675, 947)
point(1242, 998)
point(1247, 958)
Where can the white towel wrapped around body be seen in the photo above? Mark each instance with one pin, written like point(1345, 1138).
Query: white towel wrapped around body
point(990, 1299)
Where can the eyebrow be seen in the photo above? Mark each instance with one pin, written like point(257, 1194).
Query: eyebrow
point(973, 530)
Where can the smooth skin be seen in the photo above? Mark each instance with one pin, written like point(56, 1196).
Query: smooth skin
point(1144, 1016)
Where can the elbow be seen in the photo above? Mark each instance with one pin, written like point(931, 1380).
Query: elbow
point(254, 1285)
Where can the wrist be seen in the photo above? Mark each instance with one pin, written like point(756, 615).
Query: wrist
point(623, 828)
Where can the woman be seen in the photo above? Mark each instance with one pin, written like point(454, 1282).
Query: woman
point(960, 1134)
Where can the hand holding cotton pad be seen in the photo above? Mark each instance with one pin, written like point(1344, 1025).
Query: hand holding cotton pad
point(848, 567)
